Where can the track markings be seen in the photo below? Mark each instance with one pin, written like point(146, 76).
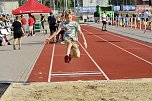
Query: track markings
point(120, 48)
point(77, 74)
point(51, 64)
point(125, 38)
point(95, 62)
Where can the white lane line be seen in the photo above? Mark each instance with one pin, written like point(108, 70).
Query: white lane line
point(120, 48)
point(95, 62)
point(51, 64)
point(64, 55)
point(76, 74)
point(125, 38)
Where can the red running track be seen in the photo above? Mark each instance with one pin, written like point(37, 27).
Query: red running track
point(108, 57)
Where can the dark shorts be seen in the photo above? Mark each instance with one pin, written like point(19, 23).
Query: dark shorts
point(104, 22)
point(146, 19)
point(17, 34)
point(52, 28)
point(61, 32)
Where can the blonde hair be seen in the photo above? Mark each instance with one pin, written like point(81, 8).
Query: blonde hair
point(68, 12)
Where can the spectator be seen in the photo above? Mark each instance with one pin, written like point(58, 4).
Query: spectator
point(18, 32)
point(126, 20)
point(4, 19)
point(134, 17)
point(104, 21)
point(52, 24)
point(145, 15)
point(31, 24)
point(23, 21)
point(57, 26)
point(8, 17)
point(42, 20)
point(117, 20)
point(96, 17)
point(4, 41)
point(138, 18)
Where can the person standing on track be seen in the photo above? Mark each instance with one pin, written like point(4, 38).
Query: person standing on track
point(104, 21)
point(70, 37)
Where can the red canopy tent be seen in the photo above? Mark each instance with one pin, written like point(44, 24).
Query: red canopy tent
point(32, 6)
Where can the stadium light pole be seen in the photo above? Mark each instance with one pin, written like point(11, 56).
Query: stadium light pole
point(50, 3)
point(66, 4)
point(54, 6)
point(74, 7)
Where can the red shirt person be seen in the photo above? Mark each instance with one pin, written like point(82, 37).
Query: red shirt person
point(31, 21)
point(23, 21)
point(31, 24)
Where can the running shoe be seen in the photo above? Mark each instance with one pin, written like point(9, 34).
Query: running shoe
point(66, 59)
point(70, 58)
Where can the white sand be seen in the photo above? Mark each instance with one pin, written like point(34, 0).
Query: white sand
point(117, 90)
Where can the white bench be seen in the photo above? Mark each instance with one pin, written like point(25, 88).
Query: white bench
point(5, 31)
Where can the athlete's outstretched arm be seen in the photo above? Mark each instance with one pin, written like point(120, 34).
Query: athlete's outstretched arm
point(84, 39)
point(47, 40)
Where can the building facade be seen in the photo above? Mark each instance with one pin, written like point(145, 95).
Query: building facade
point(6, 6)
point(142, 2)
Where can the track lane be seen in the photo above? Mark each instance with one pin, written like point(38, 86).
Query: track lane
point(41, 68)
point(140, 49)
point(116, 63)
point(82, 67)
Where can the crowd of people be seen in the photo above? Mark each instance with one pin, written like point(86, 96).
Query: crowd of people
point(124, 20)
point(28, 25)
point(63, 29)
point(18, 27)
point(4, 30)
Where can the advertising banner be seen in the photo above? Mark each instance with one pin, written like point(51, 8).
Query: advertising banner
point(89, 9)
point(116, 8)
point(129, 8)
point(102, 2)
point(141, 8)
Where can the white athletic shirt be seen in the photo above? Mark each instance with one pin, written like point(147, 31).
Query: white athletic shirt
point(104, 17)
